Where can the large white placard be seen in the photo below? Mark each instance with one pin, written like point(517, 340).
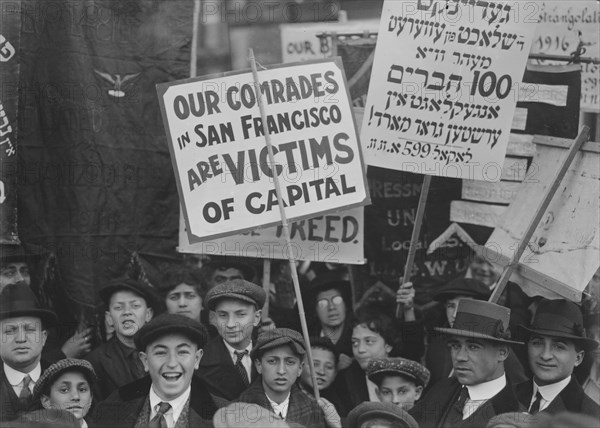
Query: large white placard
point(444, 86)
point(220, 156)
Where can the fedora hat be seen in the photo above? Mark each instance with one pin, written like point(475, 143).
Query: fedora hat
point(482, 320)
point(559, 318)
point(17, 300)
point(464, 287)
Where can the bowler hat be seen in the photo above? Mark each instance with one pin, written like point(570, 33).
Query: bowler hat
point(369, 410)
point(277, 337)
point(461, 286)
point(17, 300)
point(134, 285)
point(560, 318)
point(238, 289)
point(482, 320)
point(55, 370)
point(165, 324)
point(399, 367)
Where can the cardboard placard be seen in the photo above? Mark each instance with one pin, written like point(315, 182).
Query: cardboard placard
point(332, 238)
point(441, 99)
point(220, 157)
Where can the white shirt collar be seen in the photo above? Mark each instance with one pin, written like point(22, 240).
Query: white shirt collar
point(176, 405)
point(15, 377)
point(486, 390)
point(549, 392)
point(281, 408)
point(84, 424)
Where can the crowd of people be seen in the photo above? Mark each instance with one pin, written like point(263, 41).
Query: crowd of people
point(191, 347)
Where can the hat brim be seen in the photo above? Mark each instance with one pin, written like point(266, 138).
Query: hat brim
point(195, 335)
point(212, 303)
point(465, 333)
point(276, 343)
point(48, 317)
point(402, 373)
point(151, 297)
point(586, 343)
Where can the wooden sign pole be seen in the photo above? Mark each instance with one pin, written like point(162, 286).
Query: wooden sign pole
point(284, 224)
point(583, 136)
point(414, 239)
point(266, 283)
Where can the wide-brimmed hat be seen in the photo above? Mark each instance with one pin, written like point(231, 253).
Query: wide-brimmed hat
point(165, 324)
point(56, 369)
point(17, 300)
point(136, 286)
point(559, 318)
point(373, 409)
point(464, 287)
point(277, 337)
point(410, 369)
point(238, 289)
point(481, 320)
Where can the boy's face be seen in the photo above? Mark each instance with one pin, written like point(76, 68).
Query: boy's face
point(325, 372)
point(171, 360)
point(368, 345)
point(399, 391)
point(128, 312)
point(235, 321)
point(280, 368)
point(552, 359)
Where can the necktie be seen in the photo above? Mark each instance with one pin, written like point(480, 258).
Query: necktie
point(159, 421)
point(25, 395)
point(455, 414)
point(240, 367)
point(535, 406)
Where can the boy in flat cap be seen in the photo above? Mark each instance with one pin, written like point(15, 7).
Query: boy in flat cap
point(129, 306)
point(227, 367)
point(556, 344)
point(170, 347)
point(23, 334)
point(479, 344)
point(279, 357)
point(399, 381)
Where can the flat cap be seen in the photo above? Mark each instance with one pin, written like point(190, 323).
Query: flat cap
point(277, 337)
point(134, 285)
point(239, 289)
point(58, 368)
point(461, 286)
point(398, 366)
point(369, 410)
point(165, 324)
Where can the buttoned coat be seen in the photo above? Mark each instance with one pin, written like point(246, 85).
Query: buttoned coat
point(572, 399)
point(123, 407)
point(10, 408)
point(302, 409)
point(431, 411)
point(218, 371)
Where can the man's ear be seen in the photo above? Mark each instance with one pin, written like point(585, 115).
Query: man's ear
point(44, 337)
point(144, 360)
point(257, 317)
point(198, 357)
point(388, 348)
point(503, 352)
point(149, 314)
point(301, 367)
point(579, 357)
point(418, 392)
point(46, 403)
point(108, 319)
point(258, 366)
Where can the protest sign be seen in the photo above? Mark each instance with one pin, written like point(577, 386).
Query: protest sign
point(564, 251)
point(441, 97)
point(566, 28)
point(331, 238)
point(220, 157)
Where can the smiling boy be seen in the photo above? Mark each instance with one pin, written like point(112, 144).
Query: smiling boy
point(279, 358)
point(171, 349)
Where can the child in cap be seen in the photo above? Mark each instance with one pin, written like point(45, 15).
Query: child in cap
point(170, 347)
point(399, 381)
point(227, 366)
point(130, 304)
point(67, 385)
point(279, 357)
